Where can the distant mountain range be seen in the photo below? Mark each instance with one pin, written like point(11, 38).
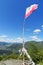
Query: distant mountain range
point(14, 47)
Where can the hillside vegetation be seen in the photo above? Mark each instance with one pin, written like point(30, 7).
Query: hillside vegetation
point(35, 49)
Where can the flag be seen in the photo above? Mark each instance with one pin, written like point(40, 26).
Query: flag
point(30, 10)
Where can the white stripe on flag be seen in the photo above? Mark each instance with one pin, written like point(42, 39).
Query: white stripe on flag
point(29, 10)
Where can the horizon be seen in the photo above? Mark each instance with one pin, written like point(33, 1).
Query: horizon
point(18, 42)
point(12, 14)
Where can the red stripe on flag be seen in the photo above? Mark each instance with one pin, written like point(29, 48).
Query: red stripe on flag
point(30, 12)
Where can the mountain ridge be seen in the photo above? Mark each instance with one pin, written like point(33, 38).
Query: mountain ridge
point(14, 47)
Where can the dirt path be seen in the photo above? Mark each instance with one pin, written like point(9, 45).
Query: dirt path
point(11, 62)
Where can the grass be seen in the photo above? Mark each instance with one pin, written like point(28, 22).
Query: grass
point(41, 63)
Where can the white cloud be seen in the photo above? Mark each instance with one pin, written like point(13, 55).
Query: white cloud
point(37, 31)
point(5, 38)
point(19, 39)
point(42, 26)
point(35, 38)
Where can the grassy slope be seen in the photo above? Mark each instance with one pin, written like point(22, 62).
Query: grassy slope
point(41, 63)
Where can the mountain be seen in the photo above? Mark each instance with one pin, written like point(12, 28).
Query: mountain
point(14, 47)
point(3, 43)
point(8, 48)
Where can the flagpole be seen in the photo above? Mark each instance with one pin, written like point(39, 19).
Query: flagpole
point(29, 11)
point(23, 40)
point(23, 33)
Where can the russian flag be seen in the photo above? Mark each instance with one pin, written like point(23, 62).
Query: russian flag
point(30, 10)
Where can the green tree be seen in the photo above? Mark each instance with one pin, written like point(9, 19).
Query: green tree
point(0, 58)
point(33, 51)
point(4, 57)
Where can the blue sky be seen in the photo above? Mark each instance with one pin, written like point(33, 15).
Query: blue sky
point(12, 17)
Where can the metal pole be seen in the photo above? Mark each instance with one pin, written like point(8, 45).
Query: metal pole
point(23, 33)
point(23, 40)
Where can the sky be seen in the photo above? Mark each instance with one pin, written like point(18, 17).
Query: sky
point(12, 14)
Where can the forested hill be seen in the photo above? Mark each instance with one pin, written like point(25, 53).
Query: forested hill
point(14, 47)
point(38, 44)
point(11, 50)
